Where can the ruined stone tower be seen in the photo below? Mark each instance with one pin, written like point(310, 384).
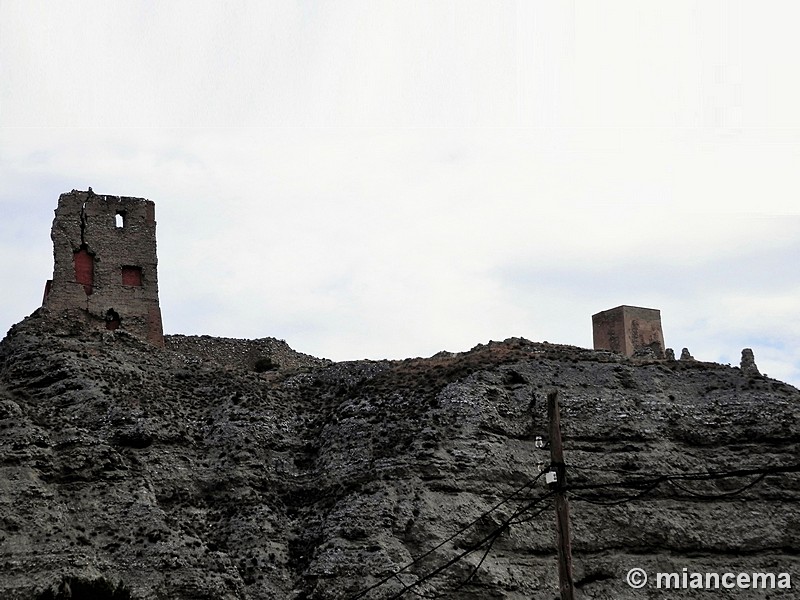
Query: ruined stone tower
point(104, 250)
point(627, 329)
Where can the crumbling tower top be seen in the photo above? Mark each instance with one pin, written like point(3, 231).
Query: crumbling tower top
point(628, 329)
point(105, 264)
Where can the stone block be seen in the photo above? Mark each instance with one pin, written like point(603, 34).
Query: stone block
point(629, 330)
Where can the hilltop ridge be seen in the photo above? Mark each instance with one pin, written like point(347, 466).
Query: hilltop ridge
point(216, 468)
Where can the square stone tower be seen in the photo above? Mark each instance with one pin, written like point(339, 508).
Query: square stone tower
point(626, 329)
point(104, 250)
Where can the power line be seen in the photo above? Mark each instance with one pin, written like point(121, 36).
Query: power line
point(722, 494)
point(418, 559)
point(647, 482)
point(651, 482)
point(696, 476)
point(530, 518)
point(618, 501)
point(435, 596)
point(490, 536)
point(489, 547)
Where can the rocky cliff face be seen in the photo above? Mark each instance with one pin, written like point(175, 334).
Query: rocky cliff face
point(228, 469)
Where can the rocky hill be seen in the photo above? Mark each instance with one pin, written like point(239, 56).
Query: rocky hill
point(231, 469)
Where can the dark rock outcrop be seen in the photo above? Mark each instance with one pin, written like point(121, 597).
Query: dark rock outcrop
point(129, 471)
point(748, 363)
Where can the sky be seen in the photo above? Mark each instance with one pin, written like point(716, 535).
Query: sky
point(389, 179)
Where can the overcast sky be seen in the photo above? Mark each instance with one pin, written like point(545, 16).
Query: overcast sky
point(389, 179)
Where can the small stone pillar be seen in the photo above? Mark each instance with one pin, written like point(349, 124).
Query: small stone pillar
point(748, 364)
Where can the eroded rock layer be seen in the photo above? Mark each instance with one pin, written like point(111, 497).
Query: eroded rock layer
point(129, 471)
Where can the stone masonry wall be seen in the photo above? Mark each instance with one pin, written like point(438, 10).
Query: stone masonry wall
point(609, 331)
point(241, 354)
point(105, 264)
point(627, 329)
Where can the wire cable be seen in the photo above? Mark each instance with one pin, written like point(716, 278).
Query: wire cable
point(418, 559)
point(722, 494)
point(490, 536)
point(477, 566)
point(645, 484)
point(618, 501)
point(531, 517)
point(649, 485)
point(653, 481)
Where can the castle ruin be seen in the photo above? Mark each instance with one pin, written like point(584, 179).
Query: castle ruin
point(628, 329)
point(104, 250)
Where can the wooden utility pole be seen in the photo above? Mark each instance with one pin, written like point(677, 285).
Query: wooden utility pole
point(563, 546)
